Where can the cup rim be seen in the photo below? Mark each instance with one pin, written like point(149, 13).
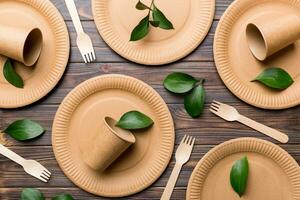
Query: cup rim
point(264, 51)
point(128, 137)
point(36, 35)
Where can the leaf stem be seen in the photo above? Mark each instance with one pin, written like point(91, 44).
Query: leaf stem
point(151, 5)
point(201, 81)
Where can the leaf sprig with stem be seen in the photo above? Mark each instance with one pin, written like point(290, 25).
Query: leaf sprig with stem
point(193, 90)
point(155, 17)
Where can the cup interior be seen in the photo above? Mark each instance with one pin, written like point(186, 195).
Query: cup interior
point(121, 133)
point(256, 41)
point(32, 47)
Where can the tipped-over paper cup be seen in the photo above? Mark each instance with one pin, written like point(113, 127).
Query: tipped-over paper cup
point(268, 34)
point(21, 44)
point(108, 146)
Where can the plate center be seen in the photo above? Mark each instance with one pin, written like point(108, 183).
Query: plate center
point(88, 118)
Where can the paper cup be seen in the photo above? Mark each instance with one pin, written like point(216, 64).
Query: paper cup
point(268, 34)
point(21, 44)
point(108, 146)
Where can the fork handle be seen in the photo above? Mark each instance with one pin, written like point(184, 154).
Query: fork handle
point(277, 135)
point(11, 155)
point(74, 15)
point(171, 183)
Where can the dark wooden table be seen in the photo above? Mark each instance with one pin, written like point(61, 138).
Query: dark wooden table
point(208, 129)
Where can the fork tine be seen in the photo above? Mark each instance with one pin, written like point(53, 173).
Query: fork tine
point(46, 174)
point(183, 139)
point(193, 142)
point(42, 179)
point(84, 58)
point(88, 58)
point(217, 102)
point(91, 57)
point(189, 141)
point(47, 171)
point(213, 111)
point(94, 55)
point(214, 106)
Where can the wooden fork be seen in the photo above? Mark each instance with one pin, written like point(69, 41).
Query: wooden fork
point(182, 155)
point(229, 113)
point(84, 41)
point(32, 167)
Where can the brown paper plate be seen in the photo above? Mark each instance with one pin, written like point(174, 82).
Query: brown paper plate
point(79, 118)
point(273, 173)
point(116, 19)
point(237, 66)
point(40, 79)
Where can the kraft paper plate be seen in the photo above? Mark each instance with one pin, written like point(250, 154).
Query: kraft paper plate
point(237, 66)
point(79, 118)
point(41, 78)
point(116, 19)
point(273, 173)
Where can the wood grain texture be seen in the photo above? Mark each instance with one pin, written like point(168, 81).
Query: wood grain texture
point(208, 129)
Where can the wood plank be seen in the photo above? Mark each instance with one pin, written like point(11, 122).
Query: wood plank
point(13, 175)
point(85, 11)
point(78, 194)
point(209, 129)
point(154, 76)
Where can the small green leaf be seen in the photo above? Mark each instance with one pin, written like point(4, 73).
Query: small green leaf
point(154, 23)
point(179, 83)
point(11, 75)
point(134, 120)
point(141, 30)
point(63, 197)
point(141, 6)
point(194, 101)
point(31, 194)
point(164, 23)
point(275, 78)
point(239, 176)
point(24, 129)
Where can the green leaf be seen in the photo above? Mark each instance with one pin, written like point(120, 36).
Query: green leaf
point(239, 176)
point(63, 197)
point(31, 194)
point(194, 101)
point(141, 6)
point(154, 23)
point(275, 78)
point(11, 75)
point(141, 30)
point(179, 83)
point(24, 129)
point(134, 120)
point(164, 23)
